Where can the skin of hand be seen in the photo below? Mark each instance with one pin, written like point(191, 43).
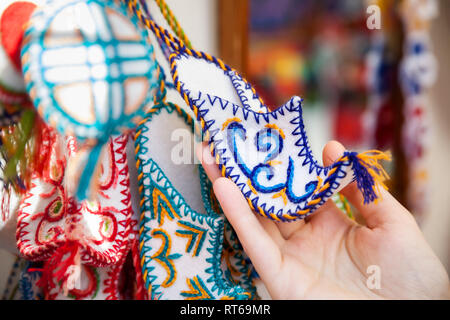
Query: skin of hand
point(327, 255)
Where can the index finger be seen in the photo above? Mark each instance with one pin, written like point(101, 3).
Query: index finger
point(259, 246)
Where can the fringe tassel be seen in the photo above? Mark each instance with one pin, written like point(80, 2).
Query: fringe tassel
point(59, 267)
point(24, 150)
point(368, 172)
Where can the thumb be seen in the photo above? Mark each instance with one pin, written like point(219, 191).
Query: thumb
point(386, 210)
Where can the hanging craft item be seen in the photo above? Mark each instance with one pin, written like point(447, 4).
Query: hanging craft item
point(180, 247)
point(236, 266)
point(265, 153)
point(53, 227)
point(22, 282)
point(13, 97)
point(418, 73)
point(93, 284)
point(89, 70)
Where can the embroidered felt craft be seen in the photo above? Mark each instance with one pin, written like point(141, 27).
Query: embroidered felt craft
point(92, 284)
point(180, 247)
point(9, 204)
point(265, 153)
point(51, 223)
point(89, 70)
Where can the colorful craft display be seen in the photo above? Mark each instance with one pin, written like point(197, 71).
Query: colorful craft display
point(51, 224)
point(89, 70)
point(113, 206)
point(418, 73)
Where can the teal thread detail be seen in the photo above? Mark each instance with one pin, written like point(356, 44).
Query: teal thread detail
point(108, 117)
point(154, 177)
point(238, 253)
point(198, 289)
point(197, 236)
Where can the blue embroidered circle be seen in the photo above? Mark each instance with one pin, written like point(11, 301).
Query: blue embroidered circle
point(88, 67)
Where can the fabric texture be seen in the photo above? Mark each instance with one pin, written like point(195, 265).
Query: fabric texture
point(96, 80)
point(49, 217)
point(93, 284)
point(22, 282)
point(180, 248)
point(265, 153)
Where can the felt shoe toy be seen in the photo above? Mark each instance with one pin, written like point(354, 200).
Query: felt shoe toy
point(90, 71)
point(180, 245)
point(54, 228)
point(265, 153)
point(14, 15)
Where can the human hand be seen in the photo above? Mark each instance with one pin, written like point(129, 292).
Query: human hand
point(326, 256)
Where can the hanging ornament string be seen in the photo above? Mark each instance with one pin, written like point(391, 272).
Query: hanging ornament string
point(165, 50)
point(177, 45)
point(173, 22)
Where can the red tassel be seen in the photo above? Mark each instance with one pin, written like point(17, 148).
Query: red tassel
point(56, 268)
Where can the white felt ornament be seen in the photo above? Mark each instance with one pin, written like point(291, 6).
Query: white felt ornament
point(265, 153)
point(180, 245)
point(90, 72)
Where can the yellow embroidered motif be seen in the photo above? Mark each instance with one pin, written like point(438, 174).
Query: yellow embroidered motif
point(164, 258)
point(160, 208)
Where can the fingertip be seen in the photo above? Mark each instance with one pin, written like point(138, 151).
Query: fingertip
point(199, 151)
point(332, 151)
point(221, 185)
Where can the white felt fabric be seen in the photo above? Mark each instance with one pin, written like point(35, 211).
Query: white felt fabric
point(208, 78)
point(172, 146)
point(284, 152)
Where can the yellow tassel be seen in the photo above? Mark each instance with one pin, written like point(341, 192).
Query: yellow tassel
point(370, 160)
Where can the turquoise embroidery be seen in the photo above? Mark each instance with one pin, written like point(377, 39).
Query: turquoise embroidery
point(107, 60)
point(204, 232)
point(197, 290)
point(232, 248)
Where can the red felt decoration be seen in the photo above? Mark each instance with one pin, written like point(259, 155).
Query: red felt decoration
point(12, 28)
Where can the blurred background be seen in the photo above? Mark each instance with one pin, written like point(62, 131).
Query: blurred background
point(382, 88)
